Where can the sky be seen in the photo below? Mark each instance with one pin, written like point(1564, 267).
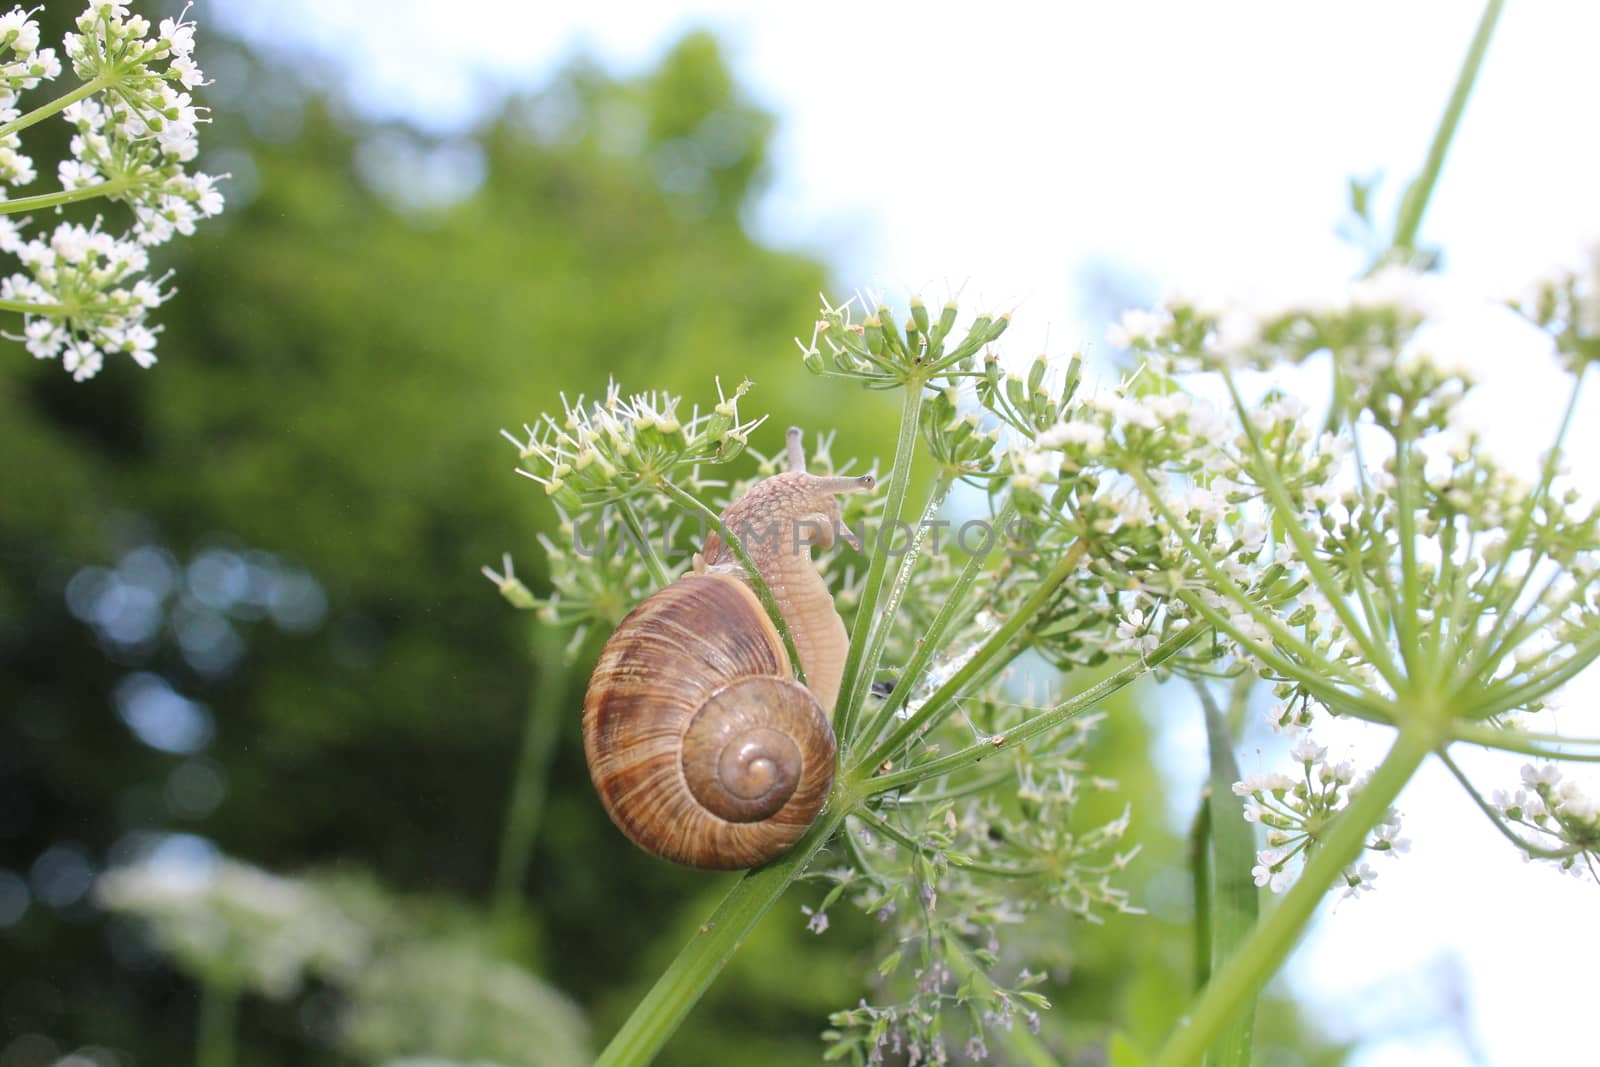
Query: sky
point(1022, 153)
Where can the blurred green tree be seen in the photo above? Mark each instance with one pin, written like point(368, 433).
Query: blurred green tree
point(349, 336)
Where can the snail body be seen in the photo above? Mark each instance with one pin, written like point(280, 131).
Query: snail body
point(704, 748)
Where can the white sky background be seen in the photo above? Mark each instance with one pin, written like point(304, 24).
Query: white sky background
point(1012, 146)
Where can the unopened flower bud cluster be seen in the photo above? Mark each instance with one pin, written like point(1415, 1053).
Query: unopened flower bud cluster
point(606, 450)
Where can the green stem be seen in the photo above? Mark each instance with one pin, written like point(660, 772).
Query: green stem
point(1504, 604)
point(757, 582)
point(1045, 721)
point(1282, 636)
point(856, 682)
point(24, 307)
point(1405, 619)
point(1242, 977)
point(641, 538)
point(216, 1027)
point(60, 103)
point(997, 644)
point(1200, 880)
point(689, 975)
point(1498, 737)
point(1421, 188)
point(61, 197)
point(953, 605)
point(1232, 899)
point(879, 636)
point(1362, 705)
point(525, 804)
point(1498, 701)
point(1499, 824)
point(1371, 645)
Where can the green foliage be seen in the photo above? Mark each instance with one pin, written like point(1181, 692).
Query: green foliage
point(332, 376)
point(334, 368)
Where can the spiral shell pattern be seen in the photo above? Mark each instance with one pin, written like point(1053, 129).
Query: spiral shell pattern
point(702, 747)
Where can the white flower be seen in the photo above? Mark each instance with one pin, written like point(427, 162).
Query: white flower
point(1546, 774)
point(1358, 878)
point(82, 359)
point(1131, 632)
point(1271, 871)
point(1573, 803)
point(1138, 325)
point(1398, 287)
point(1252, 535)
point(1308, 751)
point(75, 174)
point(1073, 433)
point(177, 35)
point(16, 22)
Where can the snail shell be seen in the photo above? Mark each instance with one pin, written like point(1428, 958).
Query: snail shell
point(722, 764)
point(703, 747)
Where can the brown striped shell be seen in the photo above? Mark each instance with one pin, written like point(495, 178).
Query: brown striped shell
point(703, 747)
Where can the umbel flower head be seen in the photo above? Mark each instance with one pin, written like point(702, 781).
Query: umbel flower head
point(83, 290)
point(1387, 569)
point(619, 446)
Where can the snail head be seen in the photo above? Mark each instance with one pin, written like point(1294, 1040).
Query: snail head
point(788, 513)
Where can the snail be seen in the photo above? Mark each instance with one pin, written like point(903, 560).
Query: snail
point(704, 748)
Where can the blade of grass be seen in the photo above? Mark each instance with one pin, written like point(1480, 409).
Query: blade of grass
point(1231, 897)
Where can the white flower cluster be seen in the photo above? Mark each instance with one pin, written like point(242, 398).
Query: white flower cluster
point(1563, 819)
point(1295, 807)
point(1566, 303)
point(239, 924)
point(1367, 325)
point(99, 275)
point(81, 290)
point(23, 64)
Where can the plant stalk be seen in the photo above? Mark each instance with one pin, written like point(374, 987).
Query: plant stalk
point(525, 804)
point(216, 1027)
point(690, 974)
point(60, 103)
point(1420, 190)
point(855, 685)
point(1260, 956)
point(61, 197)
point(1041, 723)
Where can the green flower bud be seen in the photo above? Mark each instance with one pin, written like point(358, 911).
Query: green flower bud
point(919, 314)
point(914, 340)
point(563, 494)
point(1015, 393)
point(732, 444)
point(872, 331)
point(1036, 373)
point(517, 594)
point(891, 330)
point(995, 328)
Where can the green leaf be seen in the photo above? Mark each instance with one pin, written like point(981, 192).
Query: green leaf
point(1229, 894)
point(1121, 1052)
